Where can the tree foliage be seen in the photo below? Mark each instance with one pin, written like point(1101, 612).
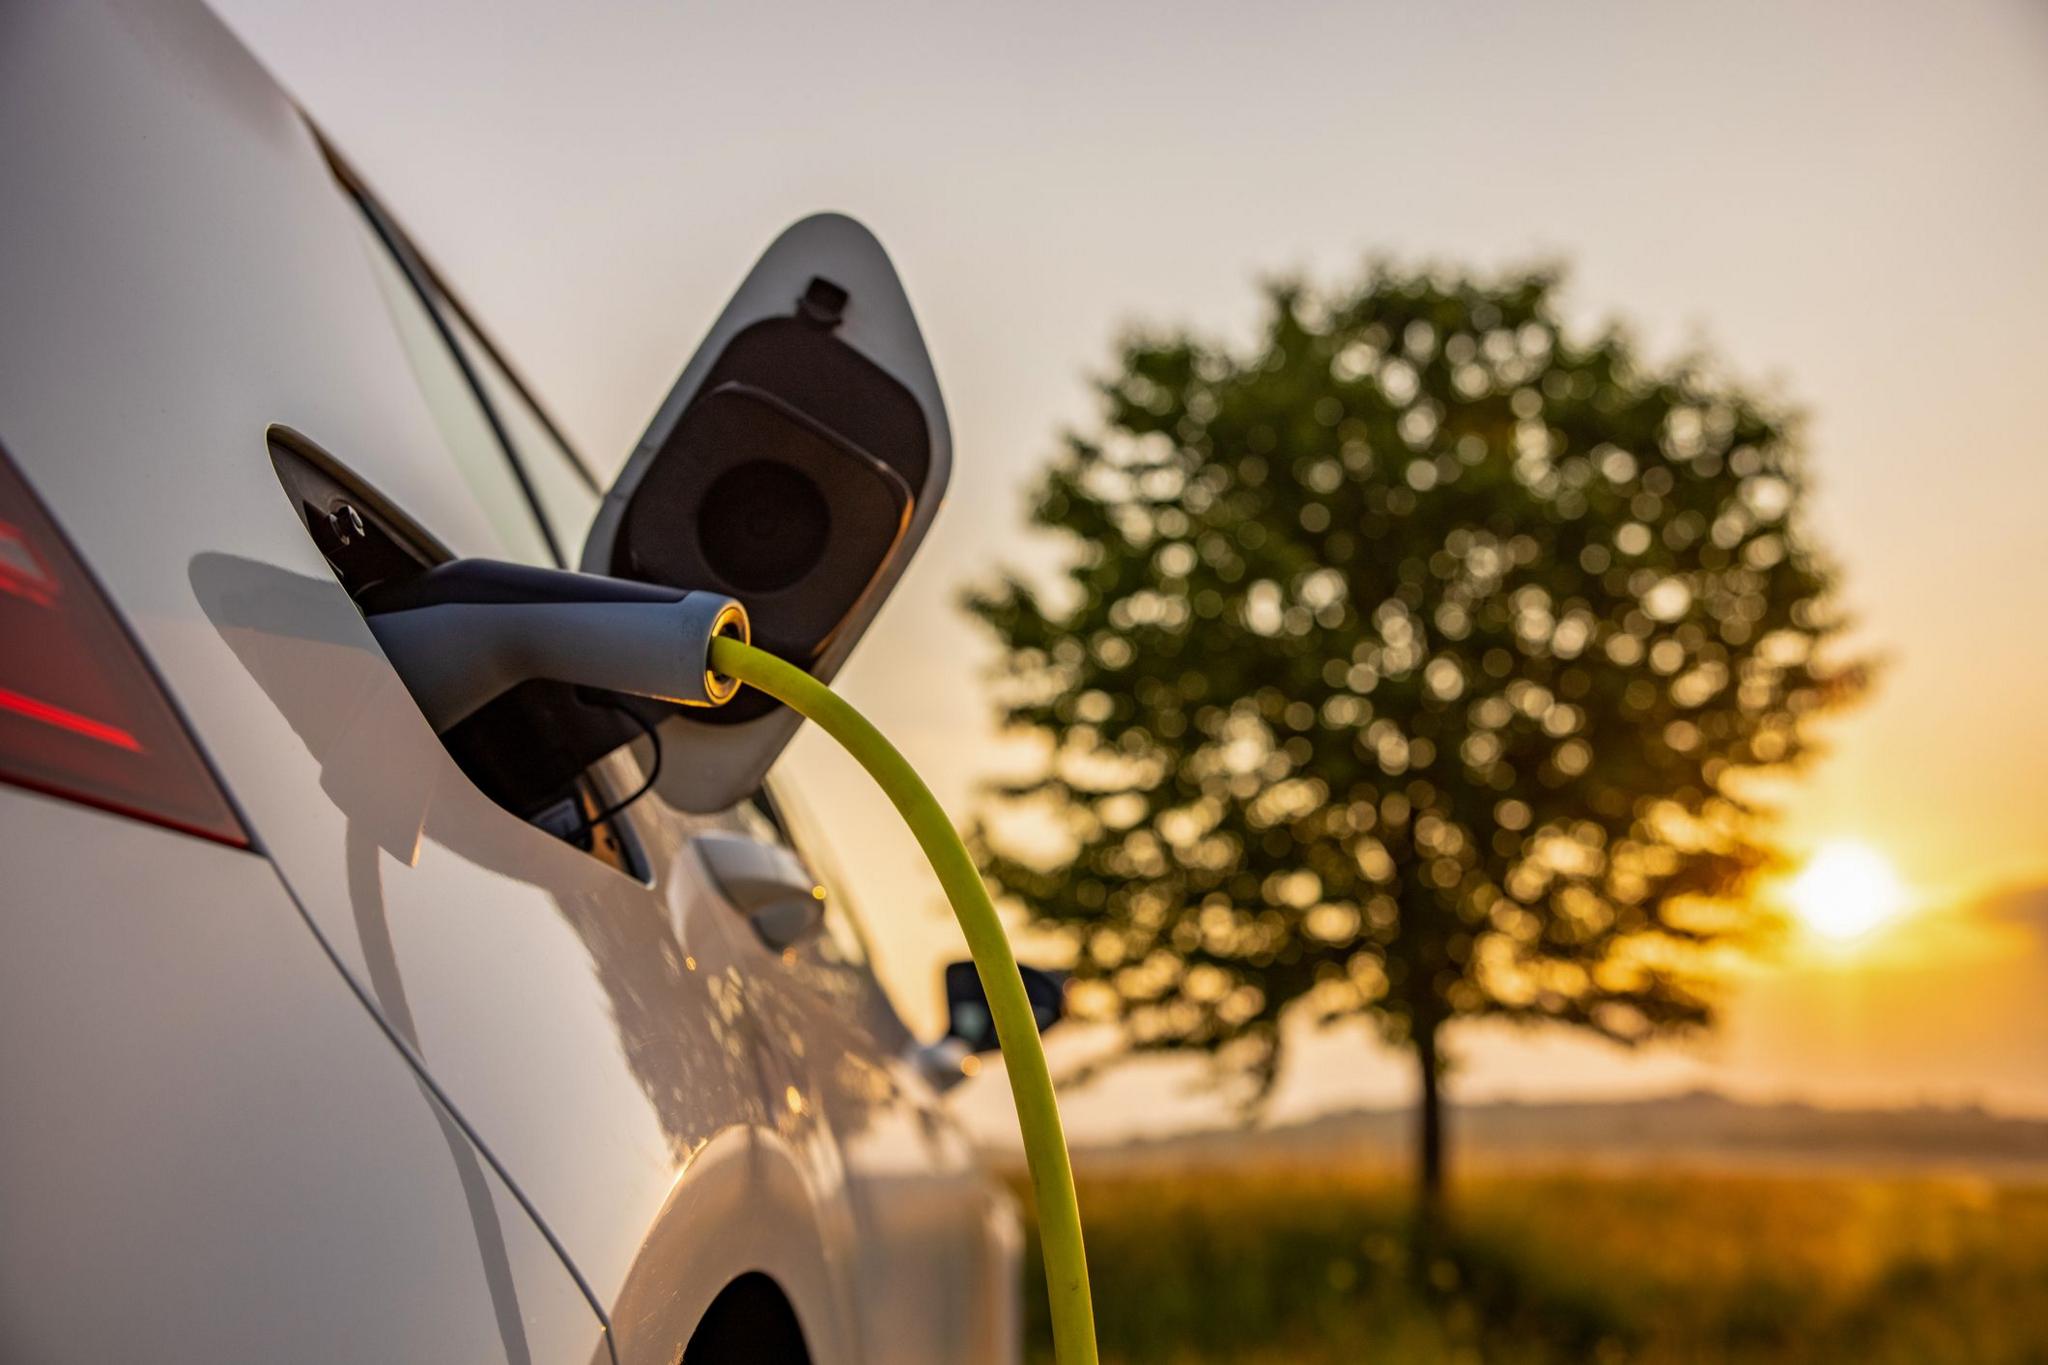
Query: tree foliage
point(1409, 665)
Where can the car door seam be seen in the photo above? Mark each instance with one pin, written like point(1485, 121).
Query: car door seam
point(441, 1097)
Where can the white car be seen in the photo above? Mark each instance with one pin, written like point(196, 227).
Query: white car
point(328, 1037)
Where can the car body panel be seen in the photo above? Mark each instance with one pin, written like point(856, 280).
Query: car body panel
point(923, 1210)
point(184, 277)
point(597, 1029)
point(210, 1151)
point(250, 302)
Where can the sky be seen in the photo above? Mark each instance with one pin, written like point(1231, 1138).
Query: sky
point(1843, 201)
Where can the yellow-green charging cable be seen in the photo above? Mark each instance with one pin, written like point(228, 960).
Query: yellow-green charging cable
point(1038, 1114)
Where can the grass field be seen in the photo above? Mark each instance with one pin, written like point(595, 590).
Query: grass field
point(1309, 1267)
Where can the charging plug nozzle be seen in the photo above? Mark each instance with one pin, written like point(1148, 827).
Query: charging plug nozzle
point(466, 632)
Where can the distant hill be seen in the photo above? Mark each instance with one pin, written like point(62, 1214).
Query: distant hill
point(1696, 1128)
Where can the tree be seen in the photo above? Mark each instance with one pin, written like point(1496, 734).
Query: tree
point(1411, 665)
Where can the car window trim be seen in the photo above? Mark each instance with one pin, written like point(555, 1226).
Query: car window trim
point(434, 293)
point(455, 305)
point(408, 266)
point(361, 191)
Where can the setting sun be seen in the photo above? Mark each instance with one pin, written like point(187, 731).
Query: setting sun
point(1845, 891)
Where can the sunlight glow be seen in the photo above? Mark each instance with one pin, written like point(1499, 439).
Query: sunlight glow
point(1846, 890)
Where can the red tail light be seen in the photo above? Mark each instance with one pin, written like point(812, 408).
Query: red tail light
point(81, 715)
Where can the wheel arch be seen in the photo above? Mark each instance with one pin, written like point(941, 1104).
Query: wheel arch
point(750, 1322)
point(743, 1220)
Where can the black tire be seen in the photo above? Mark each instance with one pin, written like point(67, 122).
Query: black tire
point(749, 1323)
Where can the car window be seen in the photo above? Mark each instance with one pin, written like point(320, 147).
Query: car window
point(465, 423)
point(567, 493)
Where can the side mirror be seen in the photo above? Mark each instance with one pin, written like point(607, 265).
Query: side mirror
point(795, 466)
point(968, 1021)
point(768, 884)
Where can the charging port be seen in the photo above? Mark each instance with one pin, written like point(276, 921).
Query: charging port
point(532, 750)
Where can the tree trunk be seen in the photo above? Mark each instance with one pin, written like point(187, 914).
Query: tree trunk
point(1429, 1146)
point(1429, 1127)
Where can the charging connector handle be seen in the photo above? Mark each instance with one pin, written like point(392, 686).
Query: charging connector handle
point(1038, 1114)
point(465, 633)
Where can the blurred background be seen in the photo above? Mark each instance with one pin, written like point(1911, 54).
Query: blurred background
point(1840, 205)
